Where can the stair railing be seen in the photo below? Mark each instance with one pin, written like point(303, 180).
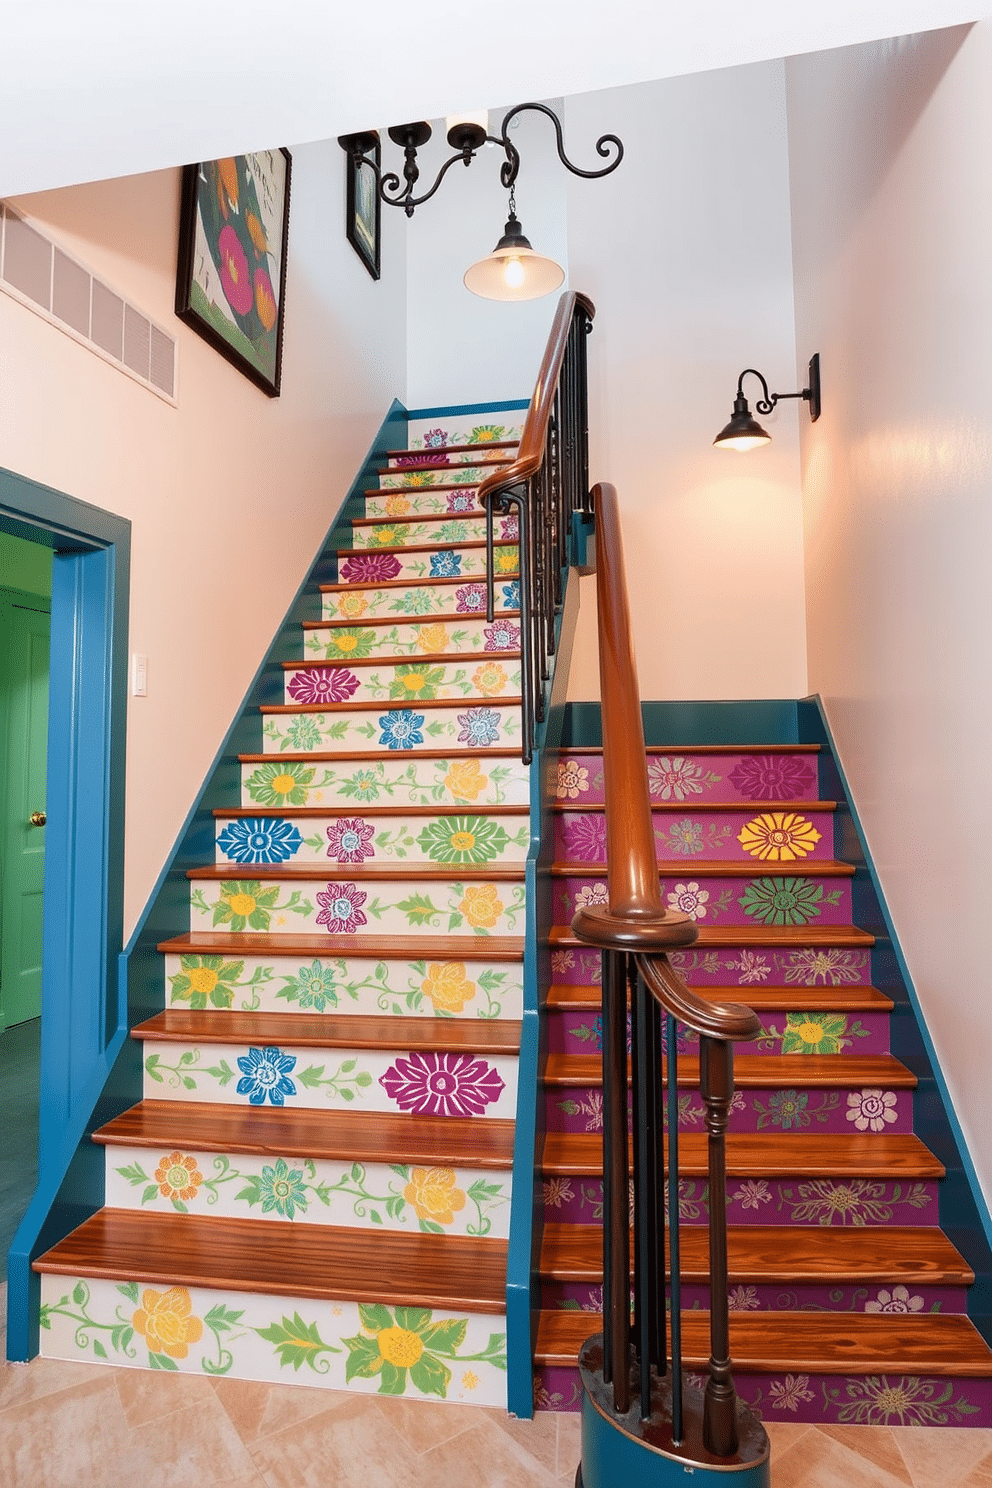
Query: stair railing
point(545, 486)
point(639, 1353)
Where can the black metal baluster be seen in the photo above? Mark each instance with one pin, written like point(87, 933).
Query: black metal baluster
point(674, 1232)
point(649, 1210)
point(716, 1084)
point(616, 1178)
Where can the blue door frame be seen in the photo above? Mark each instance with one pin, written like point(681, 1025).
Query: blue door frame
point(82, 1022)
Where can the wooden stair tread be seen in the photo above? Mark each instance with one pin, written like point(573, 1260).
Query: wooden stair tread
point(774, 936)
point(783, 1255)
point(450, 617)
point(805, 1342)
point(411, 581)
point(307, 813)
point(445, 547)
point(765, 1154)
point(327, 1031)
point(721, 868)
point(361, 872)
point(333, 1135)
point(684, 749)
point(326, 757)
point(407, 519)
point(459, 449)
point(704, 806)
point(425, 658)
point(792, 998)
point(431, 465)
point(358, 705)
point(289, 1260)
point(375, 947)
point(758, 1071)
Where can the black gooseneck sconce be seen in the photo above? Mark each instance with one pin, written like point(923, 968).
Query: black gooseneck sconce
point(744, 432)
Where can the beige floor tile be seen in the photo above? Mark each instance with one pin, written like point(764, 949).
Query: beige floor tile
point(351, 1447)
point(817, 1461)
point(193, 1445)
point(980, 1476)
point(258, 1410)
point(784, 1434)
point(485, 1457)
point(941, 1459)
point(21, 1383)
point(423, 1424)
point(538, 1438)
point(875, 1444)
point(64, 1440)
point(569, 1442)
point(147, 1394)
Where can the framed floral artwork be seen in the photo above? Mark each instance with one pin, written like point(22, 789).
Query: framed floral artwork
point(363, 211)
point(231, 275)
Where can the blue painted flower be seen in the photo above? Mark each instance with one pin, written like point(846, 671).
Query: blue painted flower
point(511, 594)
point(266, 1073)
point(479, 726)
point(401, 729)
point(446, 565)
point(257, 839)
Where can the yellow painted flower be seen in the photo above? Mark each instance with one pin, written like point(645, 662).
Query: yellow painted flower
point(506, 560)
point(462, 841)
point(808, 1032)
point(482, 906)
point(352, 605)
point(202, 979)
point(344, 643)
point(242, 904)
point(283, 784)
point(166, 1321)
point(399, 1347)
point(465, 780)
point(177, 1176)
point(414, 681)
point(433, 1194)
point(397, 506)
point(418, 478)
point(447, 986)
point(490, 678)
point(779, 836)
point(383, 537)
point(433, 638)
point(470, 1381)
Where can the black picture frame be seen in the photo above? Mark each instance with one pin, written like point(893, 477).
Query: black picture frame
point(363, 210)
point(231, 269)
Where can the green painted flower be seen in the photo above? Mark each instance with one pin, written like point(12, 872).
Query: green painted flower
point(363, 785)
point(814, 1033)
point(782, 901)
point(245, 905)
point(486, 434)
point(414, 682)
point(451, 532)
point(303, 732)
point(206, 979)
point(786, 1108)
point(282, 1189)
point(349, 642)
point(416, 602)
point(311, 987)
point(281, 784)
point(463, 839)
point(408, 1344)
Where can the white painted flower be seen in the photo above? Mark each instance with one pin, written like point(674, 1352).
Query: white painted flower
point(675, 778)
point(557, 1191)
point(573, 780)
point(562, 961)
point(743, 1299)
point(689, 899)
point(592, 894)
point(752, 967)
point(870, 1110)
point(898, 1300)
point(786, 1394)
point(752, 1193)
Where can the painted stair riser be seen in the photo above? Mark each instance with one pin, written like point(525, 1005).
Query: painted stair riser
point(580, 1109)
point(490, 780)
point(744, 966)
point(758, 1200)
point(777, 839)
point(467, 838)
point(418, 477)
point(376, 567)
point(276, 1340)
point(842, 1400)
point(349, 912)
point(579, 1031)
point(482, 428)
point(423, 1084)
point(475, 455)
point(345, 984)
point(698, 778)
point(369, 601)
point(388, 532)
point(384, 728)
point(424, 503)
point(744, 1297)
point(772, 899)
point(408, 683)
point(401, 1197)
point(347, 643)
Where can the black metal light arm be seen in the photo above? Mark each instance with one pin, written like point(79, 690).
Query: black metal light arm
point(510, 167)
point(810, 394)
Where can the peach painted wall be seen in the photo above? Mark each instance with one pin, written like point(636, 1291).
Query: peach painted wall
point(230, 493)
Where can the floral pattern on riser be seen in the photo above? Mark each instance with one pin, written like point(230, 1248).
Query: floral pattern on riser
point(486, 781)
point(480, 428)
point(764, 1201)
point(358, 1195)
point(406, 682)
point(844, 1400)
point(416, 599)
point(375, 728)
point(296, 984)
point(578, 1297)
point(695, 778)
point(378, 566)
point(843, 1112)
point(276, 1340)
point(424, 1084)
point(345, 643)
point(347, 912)
point(762, 966)
point(774, 901)
point(462, 527)
point(424, 502)
point(466, 838)
point(571, 1031)
point(411, 476)
point(770, 837)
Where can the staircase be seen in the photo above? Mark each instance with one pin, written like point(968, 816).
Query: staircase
point(848, 1301)
point(316, 1184)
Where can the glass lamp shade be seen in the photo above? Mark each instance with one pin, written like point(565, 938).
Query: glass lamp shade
point(513, 271)
point(743, 432)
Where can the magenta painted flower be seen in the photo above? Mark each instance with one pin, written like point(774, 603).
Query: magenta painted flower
point(323, 685)
point(341, 908)
point(431, 1084)
point(370, 568)
point(502, 636)
point(510, 529)
point(772, 777)
point(460, 501)
point(585, 837)
point(435, 439)
point(470, 598)
point(234, 276)
point(407, 462)
point(479, 727)
point(350, 840)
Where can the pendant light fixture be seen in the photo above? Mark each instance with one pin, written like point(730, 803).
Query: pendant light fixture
point(744, 433)
point(513, 271)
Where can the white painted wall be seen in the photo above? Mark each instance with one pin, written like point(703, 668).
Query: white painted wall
point(891, 149)
point(231, 493)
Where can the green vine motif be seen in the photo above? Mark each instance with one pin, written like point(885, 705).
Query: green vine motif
point(343, 1082)
point(203, 980)
point(354, 1185)
point(220, 1320)
point(718, 907)
point(484, 1196)
point(298, 1343)
point(182, 1076)
point(121, 1331)
point(790, 1110)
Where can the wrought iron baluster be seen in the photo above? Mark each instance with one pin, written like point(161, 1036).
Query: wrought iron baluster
point(674, 1223)
point(616, 1180)
point(716, 1083)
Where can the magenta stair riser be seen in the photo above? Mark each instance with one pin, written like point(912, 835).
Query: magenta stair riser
point(801, 1201)
point(732, 966)
point(681, 840)
point(883, 1296)
point(836, 1399)
point(841, 1112)
point(686, 777)
point(769, 900)
point(579, 1031)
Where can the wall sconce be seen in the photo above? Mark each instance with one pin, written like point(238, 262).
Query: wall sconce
point(513, 271)
point(744, 432)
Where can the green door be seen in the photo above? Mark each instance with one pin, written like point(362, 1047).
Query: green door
point(25, 622)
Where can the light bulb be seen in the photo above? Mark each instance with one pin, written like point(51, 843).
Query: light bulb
point(513, 274)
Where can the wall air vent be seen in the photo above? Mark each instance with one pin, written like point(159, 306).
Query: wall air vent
point(41, 275)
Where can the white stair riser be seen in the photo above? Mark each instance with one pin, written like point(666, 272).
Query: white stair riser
point(353, 838)
point(345, 644)
point(407, 683)
point(391, 532)
point(474, 782)
point(463, 598)
point(385, 727)
point(425, 503)
point(480, 428)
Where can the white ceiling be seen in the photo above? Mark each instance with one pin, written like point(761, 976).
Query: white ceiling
point(99, 88)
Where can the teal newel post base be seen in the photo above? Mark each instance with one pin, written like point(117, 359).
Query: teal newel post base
point(618, 1451)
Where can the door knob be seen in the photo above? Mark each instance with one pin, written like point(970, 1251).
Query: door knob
point(37, 818)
